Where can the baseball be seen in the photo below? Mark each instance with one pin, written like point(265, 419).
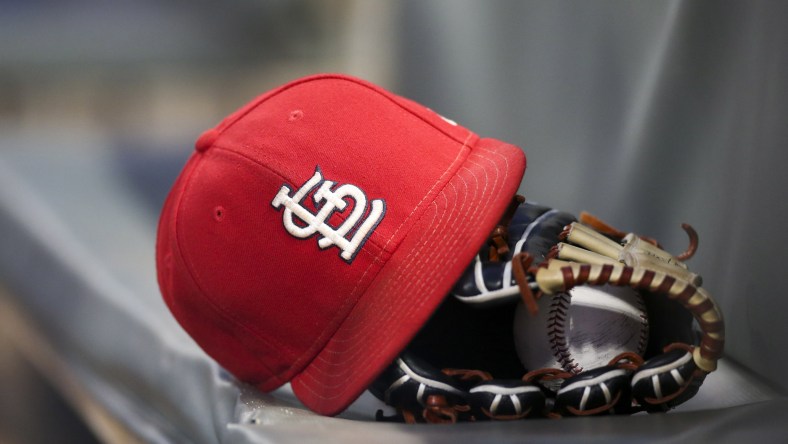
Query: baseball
point(581, 330)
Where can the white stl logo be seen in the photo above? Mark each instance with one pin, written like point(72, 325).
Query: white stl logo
point(333, 200)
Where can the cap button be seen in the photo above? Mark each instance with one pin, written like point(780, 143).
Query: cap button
point(206, 139)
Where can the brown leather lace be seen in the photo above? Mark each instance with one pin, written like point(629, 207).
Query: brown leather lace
point(693, 246)
point(467, 375)
point(438, 411)
point(499, 239)
point(521, 267)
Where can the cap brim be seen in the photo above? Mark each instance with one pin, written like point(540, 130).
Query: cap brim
point(415, 279)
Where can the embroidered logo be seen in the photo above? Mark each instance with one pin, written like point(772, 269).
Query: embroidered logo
point(302, 223)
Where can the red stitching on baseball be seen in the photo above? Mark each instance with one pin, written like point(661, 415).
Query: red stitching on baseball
point(643, 340)
point(556, 333)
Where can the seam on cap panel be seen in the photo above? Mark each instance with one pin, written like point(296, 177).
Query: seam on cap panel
point(459, 161)
point(416, 255)
point(192, 273)
point(195, 275)
point(433, 235)
point(309, 387)
point(462, 156)
point(500, 183)
point(405, 314)
point(482, 192)
point(289, 180)
point(438, 193)
point(299, 359)
point(388, 95)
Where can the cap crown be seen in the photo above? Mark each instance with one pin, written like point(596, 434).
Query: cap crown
point(289, 211)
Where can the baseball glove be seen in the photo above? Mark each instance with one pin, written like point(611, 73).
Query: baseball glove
point(462, 366)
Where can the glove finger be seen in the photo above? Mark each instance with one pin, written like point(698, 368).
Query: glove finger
point(507, 399)
point(666, 380)
point(534, 229)
point(409, 381)
point(596, 391)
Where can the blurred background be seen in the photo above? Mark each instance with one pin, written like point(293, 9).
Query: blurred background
point(647, 114)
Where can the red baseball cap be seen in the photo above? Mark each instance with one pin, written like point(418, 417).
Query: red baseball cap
point(314, 231)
